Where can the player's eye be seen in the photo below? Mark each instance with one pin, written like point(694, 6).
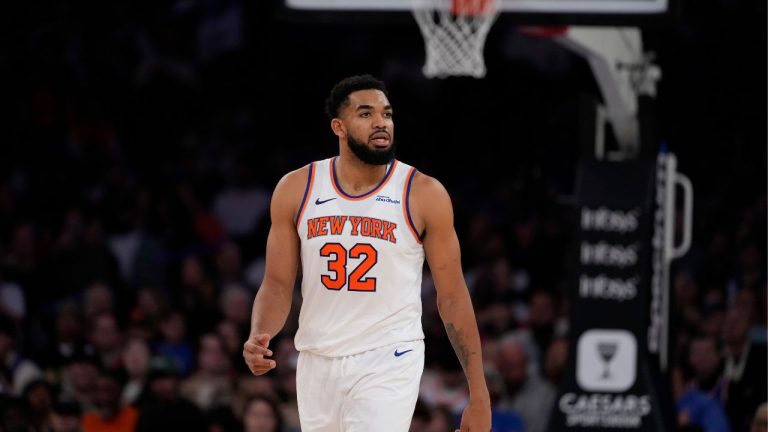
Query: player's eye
point(365, 114)
point(388, 115)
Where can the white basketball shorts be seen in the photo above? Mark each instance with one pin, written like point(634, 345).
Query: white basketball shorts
point(373, 391)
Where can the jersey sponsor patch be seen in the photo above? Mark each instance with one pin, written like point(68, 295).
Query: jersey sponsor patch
point(386, 199)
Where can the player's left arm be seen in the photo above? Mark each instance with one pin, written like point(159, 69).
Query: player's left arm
point(441, 245)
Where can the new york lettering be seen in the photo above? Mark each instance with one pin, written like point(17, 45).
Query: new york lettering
point(359, 226)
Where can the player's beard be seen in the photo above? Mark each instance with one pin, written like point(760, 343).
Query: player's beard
point(371, 156)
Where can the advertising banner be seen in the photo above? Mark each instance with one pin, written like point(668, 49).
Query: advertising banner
point(610, 383)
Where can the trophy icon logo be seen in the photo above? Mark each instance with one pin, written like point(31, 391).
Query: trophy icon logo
point(606, 360)
point(607, 350)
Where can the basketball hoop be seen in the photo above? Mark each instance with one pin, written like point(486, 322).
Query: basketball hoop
point(454, 35)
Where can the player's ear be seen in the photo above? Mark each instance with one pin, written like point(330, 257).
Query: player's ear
point(337, 126)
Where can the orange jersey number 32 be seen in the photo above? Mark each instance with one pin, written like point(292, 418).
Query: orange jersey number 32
point(337, 265)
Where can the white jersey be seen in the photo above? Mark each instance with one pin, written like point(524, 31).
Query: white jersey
point(362, 262)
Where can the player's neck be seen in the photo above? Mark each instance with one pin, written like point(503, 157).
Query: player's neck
point(356, 176)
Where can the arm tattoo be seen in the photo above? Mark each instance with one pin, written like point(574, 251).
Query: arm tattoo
point(457, 340)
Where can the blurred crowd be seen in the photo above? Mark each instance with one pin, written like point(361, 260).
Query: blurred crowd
point(135, 180)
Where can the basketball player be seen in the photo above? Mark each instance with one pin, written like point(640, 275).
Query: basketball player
point(360, 224)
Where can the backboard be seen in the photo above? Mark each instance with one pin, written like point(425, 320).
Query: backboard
point(614, 7)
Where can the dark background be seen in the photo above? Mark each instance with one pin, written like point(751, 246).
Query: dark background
point(96, 91)
point(138, 114)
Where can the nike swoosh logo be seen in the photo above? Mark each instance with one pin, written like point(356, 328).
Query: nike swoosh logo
point(399, 353)
point(318, 202)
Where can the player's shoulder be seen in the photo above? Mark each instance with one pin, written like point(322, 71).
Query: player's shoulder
point(290, 188)
point(427, 186)
point(294, 180)
point(430, 204)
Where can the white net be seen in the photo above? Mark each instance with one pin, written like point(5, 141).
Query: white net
point(454, 35)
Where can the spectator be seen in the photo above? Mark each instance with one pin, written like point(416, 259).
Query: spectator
point(173, 344)
point(750, 274)
point(110, 414)
point(80, 256)
point(138, 253)
point(206, 226)
point(543, 325)
point(164, 408)
point(527, 394)
point(262, 414)
point(211, 383)
point(149, 308)
point(494, 296)
point(17, 371)
point(236, 302)
point(65, 417)
point(199, 297)
point(106, 338)
point(502, 419)
point(711, 323)
point(706, 366)
point(229, 264)
point(38, 396)
point(68, 337)
point(687, 299)
point(78, 380)
point(22, 262)
point(696, 409)
point(136, 357)
point(555, 361)
point(744, 368)
point(760, 419)
point(97, 300)
point(221, 419)
point(233, 342)
point(250, 386)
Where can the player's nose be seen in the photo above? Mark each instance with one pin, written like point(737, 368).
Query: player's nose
point(379, 121)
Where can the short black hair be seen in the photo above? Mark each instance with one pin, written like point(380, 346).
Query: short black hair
point(341, 91)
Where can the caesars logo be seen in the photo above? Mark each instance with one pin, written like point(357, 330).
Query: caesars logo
point(604, 410)
point(606, 360)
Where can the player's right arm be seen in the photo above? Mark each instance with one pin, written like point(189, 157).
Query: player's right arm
point(273, 300)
